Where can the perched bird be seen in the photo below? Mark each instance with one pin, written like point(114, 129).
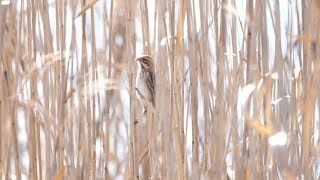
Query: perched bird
point(145, 83)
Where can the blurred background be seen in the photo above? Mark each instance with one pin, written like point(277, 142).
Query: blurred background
point(237, 89)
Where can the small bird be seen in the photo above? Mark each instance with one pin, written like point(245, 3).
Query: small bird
point(145, 83)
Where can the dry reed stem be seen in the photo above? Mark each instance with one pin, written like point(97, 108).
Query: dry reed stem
point(231, 75)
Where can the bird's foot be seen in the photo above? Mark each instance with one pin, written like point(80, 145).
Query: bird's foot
point(144, 113)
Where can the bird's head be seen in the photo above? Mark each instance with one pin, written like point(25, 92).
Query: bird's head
point(145, 61)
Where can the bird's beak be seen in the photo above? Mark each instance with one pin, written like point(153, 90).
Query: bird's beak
point(138, 59)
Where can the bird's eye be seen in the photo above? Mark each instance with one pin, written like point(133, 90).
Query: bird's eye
point(145, 61)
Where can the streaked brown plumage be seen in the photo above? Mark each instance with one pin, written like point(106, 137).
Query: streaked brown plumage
point(145, 82)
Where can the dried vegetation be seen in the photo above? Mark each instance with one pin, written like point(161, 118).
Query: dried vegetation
point(237, 91)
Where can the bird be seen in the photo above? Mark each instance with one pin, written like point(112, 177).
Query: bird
point(145, 83)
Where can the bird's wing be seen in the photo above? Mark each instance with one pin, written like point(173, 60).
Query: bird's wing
point(150, 82)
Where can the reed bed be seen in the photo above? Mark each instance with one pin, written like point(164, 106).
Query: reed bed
point(237, 92)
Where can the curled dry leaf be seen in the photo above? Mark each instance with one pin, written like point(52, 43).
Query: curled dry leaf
point(261, 129)
point(86, 7)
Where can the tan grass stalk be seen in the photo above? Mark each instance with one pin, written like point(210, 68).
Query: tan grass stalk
point(230, 77)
